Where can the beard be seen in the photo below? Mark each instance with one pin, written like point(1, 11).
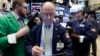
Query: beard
point(23, 15)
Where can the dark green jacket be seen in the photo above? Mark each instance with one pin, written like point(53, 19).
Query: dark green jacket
point(9, 25)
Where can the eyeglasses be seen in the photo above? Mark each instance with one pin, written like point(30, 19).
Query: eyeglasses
point(25, 7)
point(48, 14)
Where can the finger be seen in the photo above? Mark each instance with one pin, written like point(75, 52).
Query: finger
point(36, 51)
point(36, 54)
point(40, 49)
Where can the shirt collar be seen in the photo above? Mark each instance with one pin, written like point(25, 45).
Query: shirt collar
point(15, 15)
point(49, 25)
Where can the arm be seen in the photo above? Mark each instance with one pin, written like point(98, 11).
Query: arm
point(7, 36)
point(90, 33)
point(68, 46)
point(67, 43)
point(3, 35)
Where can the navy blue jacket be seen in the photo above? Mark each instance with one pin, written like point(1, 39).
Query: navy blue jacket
point(86, 30)
point(58, 33)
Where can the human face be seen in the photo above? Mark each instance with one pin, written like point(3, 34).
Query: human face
point(47, 15)
point(79, 16)
point(23, 10)
point(37, 20)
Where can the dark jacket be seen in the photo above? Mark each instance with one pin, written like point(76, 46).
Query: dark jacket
point(58, 33)
point(85, 29)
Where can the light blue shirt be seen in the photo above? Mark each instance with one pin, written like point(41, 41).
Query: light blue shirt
point(42, 44)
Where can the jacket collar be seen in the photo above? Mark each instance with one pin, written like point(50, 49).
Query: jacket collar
point(55, 29)
point(15, 15)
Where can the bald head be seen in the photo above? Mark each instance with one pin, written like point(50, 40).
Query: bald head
point(48, 5)
point(48, 12)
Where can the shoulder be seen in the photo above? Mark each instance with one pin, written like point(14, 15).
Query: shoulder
point(3, 19)
point(88, 23)
point(6, 17)
point(59, 26)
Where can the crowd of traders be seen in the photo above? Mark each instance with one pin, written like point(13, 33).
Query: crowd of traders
point(41, 35)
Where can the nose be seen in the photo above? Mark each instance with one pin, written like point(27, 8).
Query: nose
point(48, 17)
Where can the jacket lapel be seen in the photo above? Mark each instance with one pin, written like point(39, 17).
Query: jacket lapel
point(38, 34)
point(54, 38)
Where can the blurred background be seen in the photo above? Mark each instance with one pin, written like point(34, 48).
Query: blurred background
point(63, 9)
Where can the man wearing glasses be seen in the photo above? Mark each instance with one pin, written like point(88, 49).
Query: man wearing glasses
point(48, 38)
point(13, 30)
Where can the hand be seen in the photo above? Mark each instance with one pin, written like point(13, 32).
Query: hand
point(68, 27)
point(22, 32)
point(36, 51)
point(67, 35)
point(74, 34)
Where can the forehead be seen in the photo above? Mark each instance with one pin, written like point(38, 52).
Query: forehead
point(48, 10)
point(48, 7)
point(79, 13)
point(24, 4)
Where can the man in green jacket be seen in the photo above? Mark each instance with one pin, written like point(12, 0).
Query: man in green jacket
point(12, 32)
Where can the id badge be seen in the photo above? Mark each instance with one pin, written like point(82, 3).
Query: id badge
point(60, 46)
point(81, 25)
